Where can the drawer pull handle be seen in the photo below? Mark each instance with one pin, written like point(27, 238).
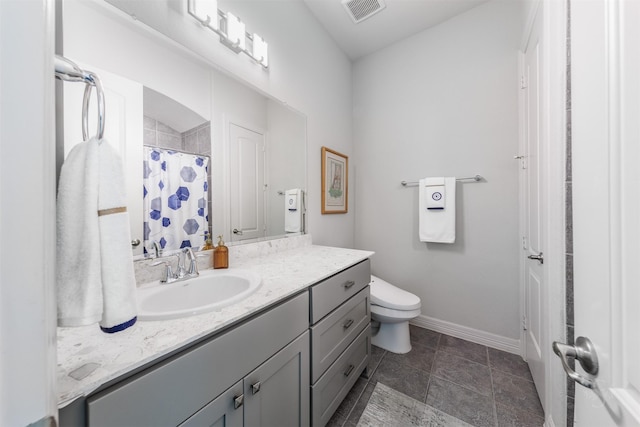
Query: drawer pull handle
point(349, 284)
point(348, 324)
point(238, 401)
point(255, 387)
point(349, 370)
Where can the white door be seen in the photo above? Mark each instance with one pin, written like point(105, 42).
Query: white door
point(533, 242)
point(605, 39)
point(123, 130)
point(246, 183)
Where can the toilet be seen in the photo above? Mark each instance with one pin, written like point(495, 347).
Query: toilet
point(392, 308)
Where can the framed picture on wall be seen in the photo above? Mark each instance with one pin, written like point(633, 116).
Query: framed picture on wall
point(335, 183)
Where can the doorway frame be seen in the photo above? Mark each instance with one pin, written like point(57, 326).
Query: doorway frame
point(553, 153)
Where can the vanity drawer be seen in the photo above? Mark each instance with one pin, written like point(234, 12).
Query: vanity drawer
point(330, 293)
point(333, 334)
point(173, 390)
point(333, 386)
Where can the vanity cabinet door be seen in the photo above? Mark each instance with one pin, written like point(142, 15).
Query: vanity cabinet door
point(277, 392)
point(224, 411)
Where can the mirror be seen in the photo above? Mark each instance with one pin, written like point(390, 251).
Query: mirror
point(257, 145)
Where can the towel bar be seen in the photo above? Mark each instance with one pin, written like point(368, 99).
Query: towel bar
point(475, 178)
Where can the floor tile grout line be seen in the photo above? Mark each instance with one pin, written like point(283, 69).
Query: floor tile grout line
point(510, 374)
point(453, 353)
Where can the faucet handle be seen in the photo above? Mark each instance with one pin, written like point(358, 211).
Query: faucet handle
point(193, 263)
point(181, 271)
point(168, 272)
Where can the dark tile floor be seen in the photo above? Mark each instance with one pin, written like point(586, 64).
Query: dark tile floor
point(479, 385)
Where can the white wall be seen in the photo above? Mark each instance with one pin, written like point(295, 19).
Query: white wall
point(444, 102)
point(306, 70)
point(27, 217)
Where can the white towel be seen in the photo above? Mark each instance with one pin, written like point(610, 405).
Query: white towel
point(95, 280)
point(437, 225)
point(435, 193)
point(293, 210)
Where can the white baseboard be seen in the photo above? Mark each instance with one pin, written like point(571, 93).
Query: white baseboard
point(509, 345)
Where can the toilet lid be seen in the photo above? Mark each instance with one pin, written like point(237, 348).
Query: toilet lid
point(386, 295)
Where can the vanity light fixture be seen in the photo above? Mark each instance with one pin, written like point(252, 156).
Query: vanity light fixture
point(235, 37)
point(231, 30)
point(205, 11)
point(260, 50)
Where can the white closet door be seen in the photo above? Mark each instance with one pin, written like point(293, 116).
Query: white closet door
point(247, 183)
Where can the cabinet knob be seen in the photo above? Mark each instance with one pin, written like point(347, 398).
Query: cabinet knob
point(238, 401)
point(255, 387)
point(349, 284)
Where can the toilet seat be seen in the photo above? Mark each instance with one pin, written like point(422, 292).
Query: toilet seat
point(386, 295)
point(391, 314)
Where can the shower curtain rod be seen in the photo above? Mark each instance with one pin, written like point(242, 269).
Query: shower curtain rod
point(475, 178)
point(67, 70)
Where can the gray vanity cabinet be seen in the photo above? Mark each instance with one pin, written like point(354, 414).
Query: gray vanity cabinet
point(340, 338)
point(199, 385)
point(274, 394)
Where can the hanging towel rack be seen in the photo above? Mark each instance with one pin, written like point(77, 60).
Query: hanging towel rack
point(67, 70)
point(475, 178)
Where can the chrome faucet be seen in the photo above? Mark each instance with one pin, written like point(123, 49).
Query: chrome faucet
point(157, 250)
point(182, 273)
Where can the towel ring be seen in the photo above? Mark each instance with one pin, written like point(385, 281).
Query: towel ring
point(94, 81)
point(67, 70)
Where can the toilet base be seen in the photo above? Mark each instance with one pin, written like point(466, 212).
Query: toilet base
point(393, 337)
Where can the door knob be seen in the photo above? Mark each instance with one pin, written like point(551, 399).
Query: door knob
point(135, 243)
point(238, 232)
point(538, 257)
point(585, 353)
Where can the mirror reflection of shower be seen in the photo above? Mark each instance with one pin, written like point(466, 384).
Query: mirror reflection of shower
point(176, 175)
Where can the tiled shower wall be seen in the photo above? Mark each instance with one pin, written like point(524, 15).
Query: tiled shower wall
point(571, 385)
point(192, 141)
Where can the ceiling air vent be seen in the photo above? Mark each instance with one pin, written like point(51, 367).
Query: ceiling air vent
point(359, 10)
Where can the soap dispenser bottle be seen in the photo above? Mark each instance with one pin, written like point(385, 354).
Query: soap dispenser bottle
point(221, 255)
point(208, 243)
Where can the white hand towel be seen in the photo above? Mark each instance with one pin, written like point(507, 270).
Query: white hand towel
point(293, 210)
point(118, 279)
point(78, 276)
point(437, 225)
point(95, 280)
point(435, 193)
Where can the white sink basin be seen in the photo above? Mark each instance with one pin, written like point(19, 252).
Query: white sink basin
point(213, 289)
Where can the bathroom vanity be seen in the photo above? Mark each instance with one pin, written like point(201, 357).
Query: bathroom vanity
point(285, 356)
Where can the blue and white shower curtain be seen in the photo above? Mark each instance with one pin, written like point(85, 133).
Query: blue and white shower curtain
point(175, 199)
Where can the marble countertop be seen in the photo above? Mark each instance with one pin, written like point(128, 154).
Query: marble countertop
point(88, 358)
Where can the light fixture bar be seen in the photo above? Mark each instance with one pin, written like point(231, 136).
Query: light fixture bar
point(231, 30)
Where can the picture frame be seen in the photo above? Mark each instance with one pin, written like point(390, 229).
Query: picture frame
point(335, 182)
